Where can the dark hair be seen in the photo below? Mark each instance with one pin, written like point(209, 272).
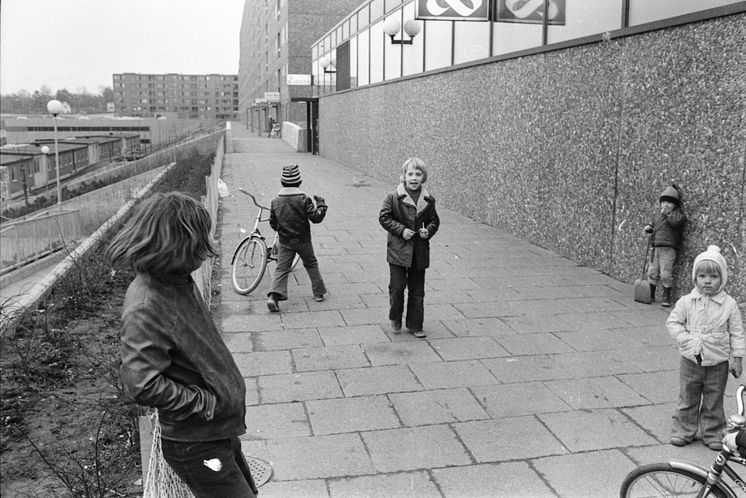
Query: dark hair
point(169, 232)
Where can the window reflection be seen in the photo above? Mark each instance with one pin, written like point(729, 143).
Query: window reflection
point(438, 44)
point(471, 41)
point(376, 52)
point(588, 18)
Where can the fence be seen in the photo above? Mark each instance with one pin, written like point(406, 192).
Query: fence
point(25, 241)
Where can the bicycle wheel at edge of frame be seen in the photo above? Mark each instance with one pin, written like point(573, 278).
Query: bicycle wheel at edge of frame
point(258, 263)
point(665, 476)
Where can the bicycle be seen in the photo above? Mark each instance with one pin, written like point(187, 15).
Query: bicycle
point(677, 478)
point(252, 255)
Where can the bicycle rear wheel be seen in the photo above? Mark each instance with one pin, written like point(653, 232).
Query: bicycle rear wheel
point(248, 265)
point(662, 479)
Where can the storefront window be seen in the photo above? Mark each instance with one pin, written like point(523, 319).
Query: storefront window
point(363, 58)
point(471, 41)
point(588, 18)
point(353, 62)
point(412, 54)
point(438, 44)
point(642, 11)
point(512, 37)
point(376, 52)
point(392, 52)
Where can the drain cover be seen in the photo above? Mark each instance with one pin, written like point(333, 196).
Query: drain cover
point(261, 471)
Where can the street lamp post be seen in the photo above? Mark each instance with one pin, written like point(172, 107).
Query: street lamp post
point(55, 108)
point(45, 151)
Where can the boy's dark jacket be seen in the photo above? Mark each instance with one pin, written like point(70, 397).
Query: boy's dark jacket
point(174, 359)
point(290, 212)
point(668, 229)
point(399, 212)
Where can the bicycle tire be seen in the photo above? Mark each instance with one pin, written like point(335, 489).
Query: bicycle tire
point(663, 479)
point(248, 265)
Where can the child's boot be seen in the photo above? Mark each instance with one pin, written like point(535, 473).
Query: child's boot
point(666, 299)
point(652, 292)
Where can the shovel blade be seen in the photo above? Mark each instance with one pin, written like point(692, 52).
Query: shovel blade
point(642, 291)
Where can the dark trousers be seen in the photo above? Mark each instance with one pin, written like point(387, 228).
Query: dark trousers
point(285, 256)
point(400, 278)
point(700, 401)
point(211, 469)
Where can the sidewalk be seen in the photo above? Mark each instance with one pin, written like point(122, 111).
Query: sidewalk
point(538, 377)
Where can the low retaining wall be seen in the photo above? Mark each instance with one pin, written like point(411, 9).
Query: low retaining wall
point(296, 136)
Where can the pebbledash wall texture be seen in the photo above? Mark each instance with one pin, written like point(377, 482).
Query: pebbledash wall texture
point(571, 149)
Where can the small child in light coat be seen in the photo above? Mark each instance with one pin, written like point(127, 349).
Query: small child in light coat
point(706, 325)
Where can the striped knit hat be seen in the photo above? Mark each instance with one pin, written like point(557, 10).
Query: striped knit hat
point(290, 175)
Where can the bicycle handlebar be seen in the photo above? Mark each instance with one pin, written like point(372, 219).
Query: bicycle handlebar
point(253, 199)
point(739, 398)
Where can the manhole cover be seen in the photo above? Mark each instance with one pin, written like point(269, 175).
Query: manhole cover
point(261, 471)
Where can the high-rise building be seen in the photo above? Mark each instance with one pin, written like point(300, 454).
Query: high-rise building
point(274, 69)
point(206, 97)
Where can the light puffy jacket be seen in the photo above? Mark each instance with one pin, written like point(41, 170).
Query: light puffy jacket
point(709, 326)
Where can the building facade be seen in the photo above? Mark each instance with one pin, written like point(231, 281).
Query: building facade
point(205, 97)
point(274, 71)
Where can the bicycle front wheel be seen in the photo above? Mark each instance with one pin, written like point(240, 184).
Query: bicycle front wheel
point(662, 479)
point(248, 265)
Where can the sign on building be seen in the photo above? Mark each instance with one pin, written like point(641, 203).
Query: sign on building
point(530, 11)
point(299, 79)
point(454, 10)
point(272, 96)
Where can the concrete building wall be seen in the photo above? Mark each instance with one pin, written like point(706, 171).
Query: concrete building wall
point(571, 149)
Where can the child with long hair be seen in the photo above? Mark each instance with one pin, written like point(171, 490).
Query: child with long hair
point(173, 357)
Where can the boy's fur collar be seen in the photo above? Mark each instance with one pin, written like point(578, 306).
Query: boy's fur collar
point(421, 202)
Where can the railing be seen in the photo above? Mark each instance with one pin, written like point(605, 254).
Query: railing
point(24, 241)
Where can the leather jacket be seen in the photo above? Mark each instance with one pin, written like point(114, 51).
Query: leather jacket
point(399, 212)
point(174, 359)
point(290, 213)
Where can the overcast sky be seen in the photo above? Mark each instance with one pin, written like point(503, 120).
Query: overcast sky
point(77, 44)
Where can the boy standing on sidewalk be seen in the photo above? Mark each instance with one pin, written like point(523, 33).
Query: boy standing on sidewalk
point(290, 213)
point(666, 231)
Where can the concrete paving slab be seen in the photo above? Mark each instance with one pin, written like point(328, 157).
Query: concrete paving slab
point(316, 457)
point(513, 400)
point(460, 373)
point(439, 406)
point(277, 421)
point(287, 339)
point(398, 485)
point(363, 413)
point(298, 387)
point(585, 475)
point(610, 429)
point(311, 488)
point(656, 387)
point(263, 363)
point(414, 448)
point(400, 352)
point(595, 392)
point(515, 438)
point(527, 368)
point(329, 358)
point(352, 334)
point(465, 327)
point(533, 344)
point(463, 348)
point(377, 380)
point(503, 480)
